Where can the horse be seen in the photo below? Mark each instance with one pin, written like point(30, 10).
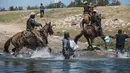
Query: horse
point(90, 32)
point(86, 20)
point(20, 40)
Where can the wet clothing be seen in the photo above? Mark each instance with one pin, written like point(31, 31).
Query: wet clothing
point(120, 40)
point(31, 23)
point(66, 46)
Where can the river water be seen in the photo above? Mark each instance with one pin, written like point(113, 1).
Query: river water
point(59, 65)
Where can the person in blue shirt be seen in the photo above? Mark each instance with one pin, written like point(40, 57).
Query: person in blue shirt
point(42, 10)
point(107, 41)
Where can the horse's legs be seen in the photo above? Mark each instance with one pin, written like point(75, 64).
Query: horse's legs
point(91, 39)
point(17, 51)
point(89, 43)
point(78, 36)
point(82, 24)
point(14, 49)
point(103, 38)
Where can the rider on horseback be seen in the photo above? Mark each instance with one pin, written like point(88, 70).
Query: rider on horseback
point(86, 8)
point(96, 19)
point(31, 24)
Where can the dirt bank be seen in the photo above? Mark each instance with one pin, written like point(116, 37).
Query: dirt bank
point(63, 19)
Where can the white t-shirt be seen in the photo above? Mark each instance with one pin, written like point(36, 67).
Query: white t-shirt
point(73, 45)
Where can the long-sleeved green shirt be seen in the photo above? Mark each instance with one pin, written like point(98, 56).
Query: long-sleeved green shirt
point(31, 23)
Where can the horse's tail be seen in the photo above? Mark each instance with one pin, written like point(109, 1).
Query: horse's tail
point(7, 44)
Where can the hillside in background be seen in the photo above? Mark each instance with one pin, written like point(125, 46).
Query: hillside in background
point(114, 17)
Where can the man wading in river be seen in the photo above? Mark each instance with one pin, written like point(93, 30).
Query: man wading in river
point(120, 40)
point(68, 44)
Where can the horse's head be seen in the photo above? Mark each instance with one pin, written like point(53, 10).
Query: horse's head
point(48, 28)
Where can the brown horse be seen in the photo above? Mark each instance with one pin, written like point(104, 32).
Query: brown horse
point(90, 32)
point(86, 20)
point(20, 40)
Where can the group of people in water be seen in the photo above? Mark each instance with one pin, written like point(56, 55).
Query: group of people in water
point(120, 36)
point(67, 43)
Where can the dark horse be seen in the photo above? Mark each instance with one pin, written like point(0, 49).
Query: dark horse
point(90, 32)
point(20, 40)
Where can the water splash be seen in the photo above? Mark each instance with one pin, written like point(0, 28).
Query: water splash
point(125, 55)
point(114, 54)
point(41, 53)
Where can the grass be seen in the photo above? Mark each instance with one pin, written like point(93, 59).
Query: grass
point(109, 12)
point(13, 16)
point(8, 17)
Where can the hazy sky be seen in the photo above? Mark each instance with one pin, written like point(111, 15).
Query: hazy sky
point(25, 3)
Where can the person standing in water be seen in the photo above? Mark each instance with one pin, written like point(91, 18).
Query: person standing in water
point(68, 44)
point(120, 40)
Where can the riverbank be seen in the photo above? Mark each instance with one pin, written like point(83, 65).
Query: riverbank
point(114, 17)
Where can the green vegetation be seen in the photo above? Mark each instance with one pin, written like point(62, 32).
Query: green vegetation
point(56, 5)
point(12, 8)
point(7, 17)
point(80, 3)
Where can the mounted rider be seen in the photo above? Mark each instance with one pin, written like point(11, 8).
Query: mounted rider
point(31, 24)
point(86, 8)
point(96, 20)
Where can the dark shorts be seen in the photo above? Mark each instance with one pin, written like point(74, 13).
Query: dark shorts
point(41, 11)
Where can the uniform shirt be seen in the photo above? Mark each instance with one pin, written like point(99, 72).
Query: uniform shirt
point(120, 40)
point(31, 23)
point(86, 8)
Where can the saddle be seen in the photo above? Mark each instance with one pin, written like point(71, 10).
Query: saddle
point(27, 34)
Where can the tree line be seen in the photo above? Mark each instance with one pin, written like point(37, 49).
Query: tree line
point(80, 3)
point(75, 3)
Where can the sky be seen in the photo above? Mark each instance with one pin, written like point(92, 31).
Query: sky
point(7, 3)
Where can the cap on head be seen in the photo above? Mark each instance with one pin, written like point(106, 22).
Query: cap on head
point(85, 2)
point(32, 13)
point(91, 4)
